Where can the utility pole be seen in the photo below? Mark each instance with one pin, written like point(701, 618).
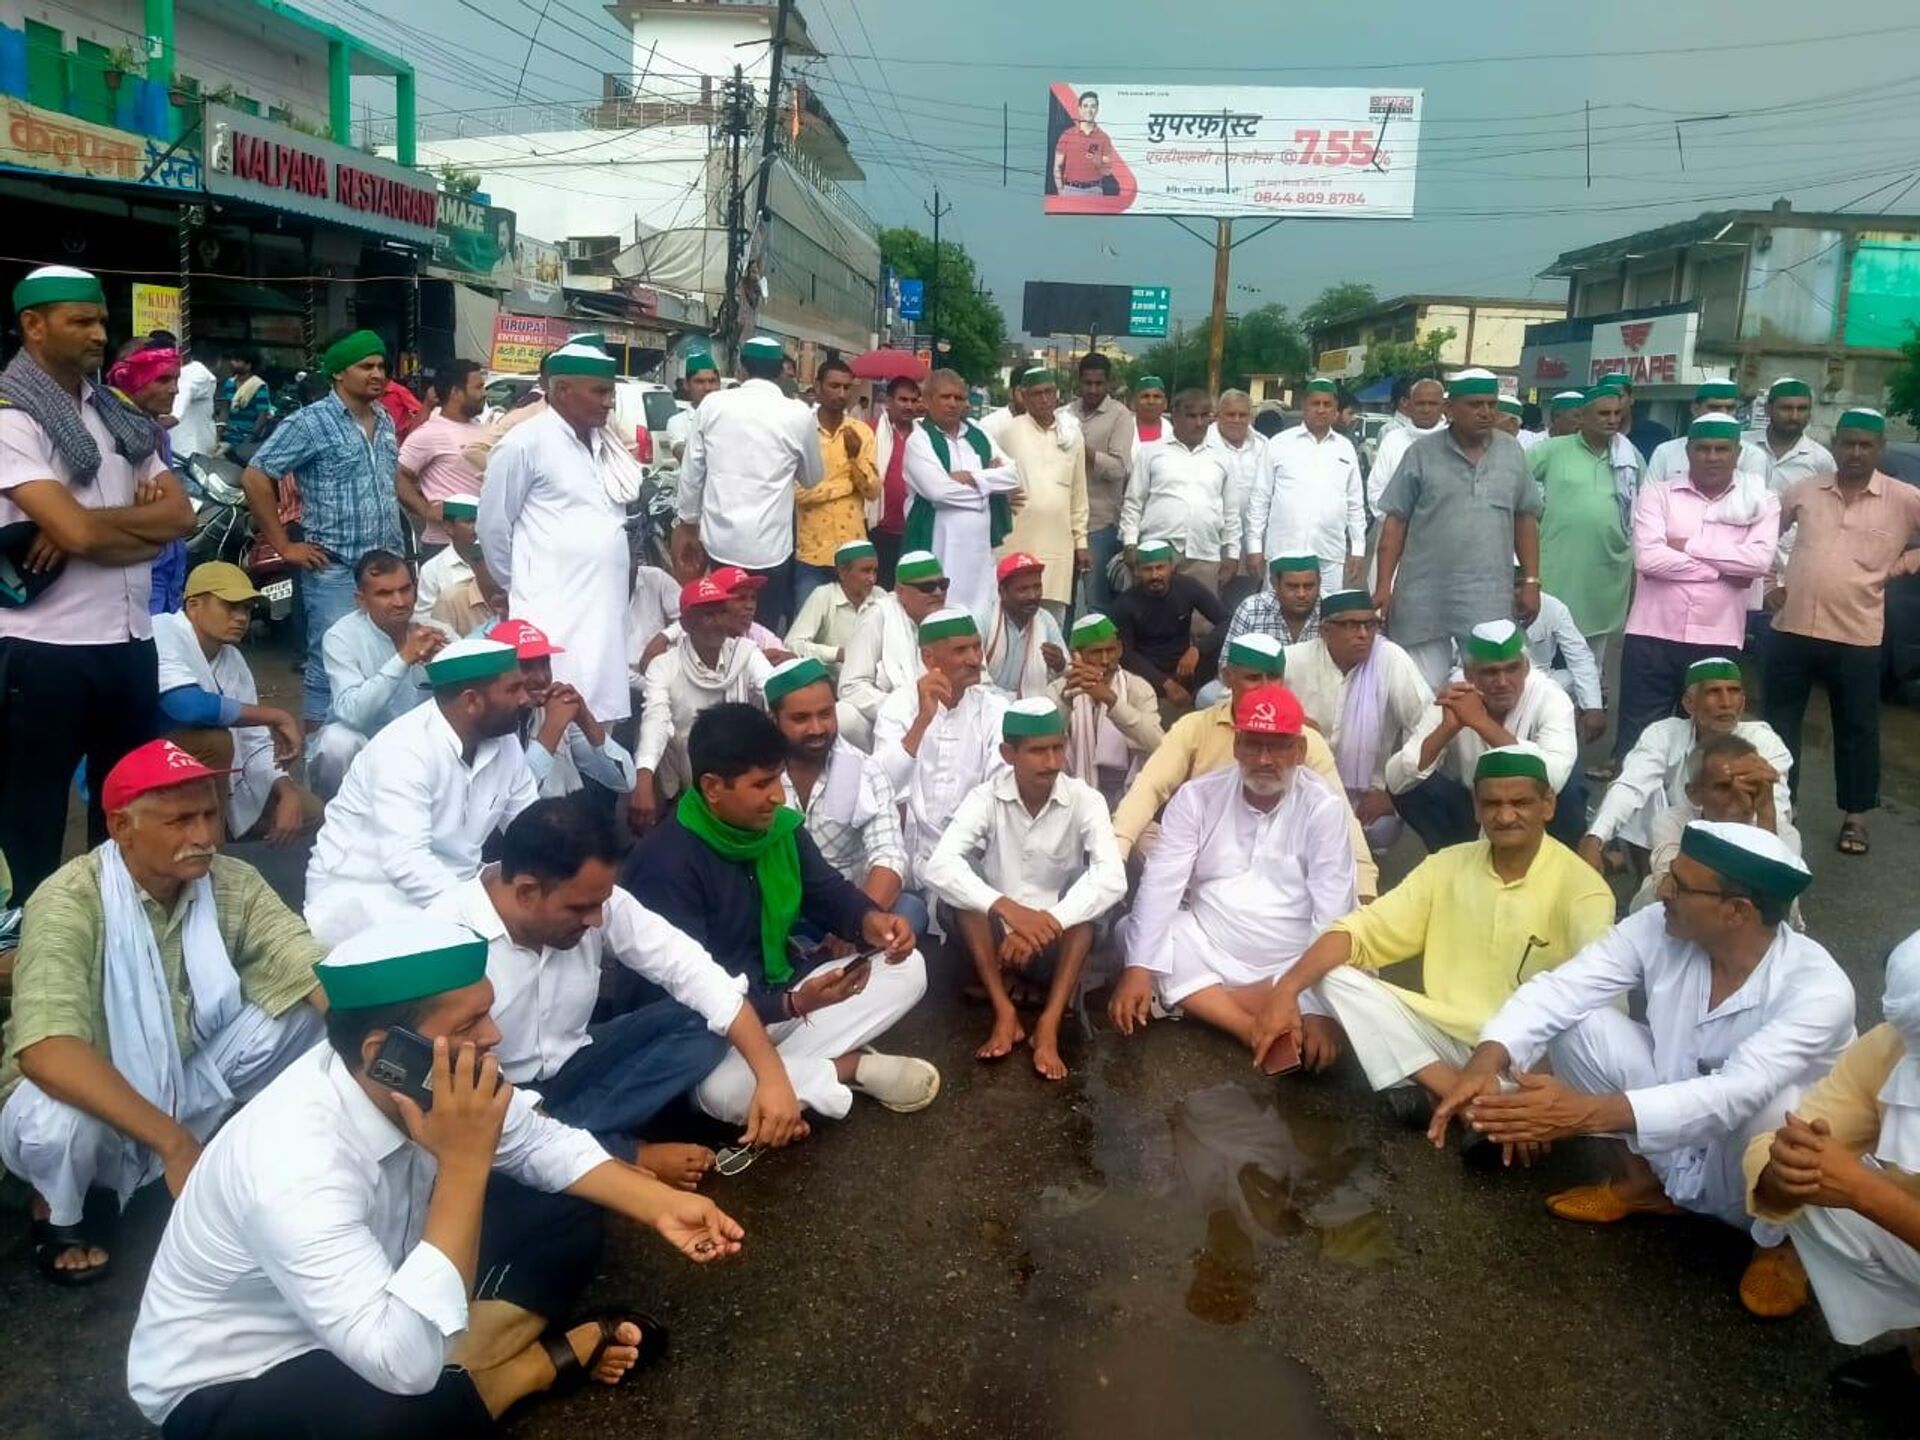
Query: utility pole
point(1217, 337)
point(734, 119)
point(770, 128)
point(933, 281)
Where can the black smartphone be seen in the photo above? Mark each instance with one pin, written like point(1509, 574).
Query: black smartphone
point(405, 1063)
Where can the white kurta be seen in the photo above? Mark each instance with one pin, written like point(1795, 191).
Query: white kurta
point(1701, 1081)
point(828, 621)
point(1395, 441)
point(408, 824)
point(1654, 775)
point(183, 662)
point(1016, 657)
point(557, 544)
point(1053, 471)
point(565, 771)
point(1248, 461)
point(1554, 635)
point(678, 687)
point(960, 750)
point(301, 1231)
point(751, 447)
point(1322, 690)
point(962, 523)
point(1310, 501)
point(653, 606)
point(1063, 860)
point(1189, 498)
point(1542, 716)
point(1256, 888)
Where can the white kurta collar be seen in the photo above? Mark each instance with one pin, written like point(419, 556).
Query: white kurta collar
point(364, 1127)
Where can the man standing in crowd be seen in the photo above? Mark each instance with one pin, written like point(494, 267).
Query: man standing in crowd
point(1107, 429)
point(1563, 413)
point(1852, 529)
point(1311, 499)
point(751, 450)
point(884, 654)
point(1023, 644)
point(1155, 619)
point(830, 616)
point(1248, 454)
point(78, 467)
point(1585, 556)
point(341, 452)
point(1699, 542)
point(703, 378)
point(1461, 506)
point(834, 512)
point(433, 467)
point(1287, 608)
point(249, 402)
point(1149, 409)
point(376, 657)
point(1182, 491)
point(887, 519)
point(1051, 455)
point(194, 432)
point(1710, 397)
point(1421, 412)
point(961, 483)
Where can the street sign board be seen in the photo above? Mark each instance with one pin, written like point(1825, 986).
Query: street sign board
point(1147, 309)
point(1059, 307)
point(913, 299)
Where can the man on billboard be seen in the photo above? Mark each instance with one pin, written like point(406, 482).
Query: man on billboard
point(1083, 157)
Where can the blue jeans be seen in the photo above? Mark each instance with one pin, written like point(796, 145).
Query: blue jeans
point(807, 579)
point(1104, 544)
point(328, 595)
point(638, 1063)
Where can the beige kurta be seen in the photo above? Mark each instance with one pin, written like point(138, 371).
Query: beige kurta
point(1053, 523)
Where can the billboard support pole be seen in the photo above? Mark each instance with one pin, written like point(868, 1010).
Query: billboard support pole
point(1217, 336)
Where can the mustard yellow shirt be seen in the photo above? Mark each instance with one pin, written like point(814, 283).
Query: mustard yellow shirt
point(1475, 930)
point(835, 511)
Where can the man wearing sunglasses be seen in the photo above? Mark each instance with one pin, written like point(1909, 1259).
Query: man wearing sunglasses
point(884, 654)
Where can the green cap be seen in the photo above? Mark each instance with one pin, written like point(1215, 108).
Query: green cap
point(854, 551)
point(1568, 400)
point(1154, 552)
point(1038, 375)
point(1092, 630)
point(1746, 855)
point(947, 624)
point(1495, 641)
point(1038, 716)
point(1473, 382)
point(1258, 650)
point(475, 658)
point(1293, 564)
point(1862, 419)
point(593, 339)
point(401, 960)
point(792, 675)
point(350, 350)
point(460, 509)
point(916, 567)
point(1717, 667)
point(763, 347)
point(1788, 388)
point(1149, 382)
point(1619, 379)
point(1321, 385)
point(1340, 602)
point(575, 358)
point(1509, 407)
point(1511, 762)
point(1716, 390)
point(698, 360)
point(58, 285)
point(1595, 392)
point(1713, 427)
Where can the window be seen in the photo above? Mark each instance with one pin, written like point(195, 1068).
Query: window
point(46, 67)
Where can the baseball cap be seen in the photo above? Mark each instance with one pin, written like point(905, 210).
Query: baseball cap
point(707, 590)
point(221, 580)
point(1015, 564)
point(732, 579)
point(529, 642)
point(156, 765)
point(1268, 710)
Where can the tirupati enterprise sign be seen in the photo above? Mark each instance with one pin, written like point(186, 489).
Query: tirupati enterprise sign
point(253, 159)
point(1231, 150)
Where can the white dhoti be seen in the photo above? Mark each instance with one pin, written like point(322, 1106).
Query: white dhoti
point(1867, 1279)
point(330, 750)
point(856, 726)
point(1197, 961)
point(963, 539)
point(62, 1152)
point(1608, 1053)
point(1389, 1038)
point(809, 1047)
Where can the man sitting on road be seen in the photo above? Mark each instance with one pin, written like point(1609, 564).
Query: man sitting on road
point(375, 657)
point(1155, 620)
point(735, 869)
point(1480, 917)
point(566, 744)
point(1113, 722)
point(552, 919)
point(884, 654)
point(1502, 701)
point(1252, 863)
point(455, 590)
point(845, 795)
point(158, 983)
point(1726, 780)
point(1288, 608)
point(1026, 867)
point(706, 665)
point(831, 614)
point(424, 796)
point(1366, 695)
point(1022, 644)
point(1560, 652)
point(1742, 1015)
point(1654, 773)
point(207, 690)
point(1206, 741)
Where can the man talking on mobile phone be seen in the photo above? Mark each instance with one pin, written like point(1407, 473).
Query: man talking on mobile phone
point(347, 1263)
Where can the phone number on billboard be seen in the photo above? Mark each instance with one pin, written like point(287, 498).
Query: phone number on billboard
point(1309, 197)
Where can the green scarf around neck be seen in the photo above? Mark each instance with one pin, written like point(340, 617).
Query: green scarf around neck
point(775, 856)
point(920, 513)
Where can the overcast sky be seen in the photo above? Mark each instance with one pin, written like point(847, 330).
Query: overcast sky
point(1823, 105)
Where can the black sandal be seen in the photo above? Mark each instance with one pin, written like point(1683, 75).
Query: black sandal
point(1852, 839)
point(51, 1241)
point(569, 1373)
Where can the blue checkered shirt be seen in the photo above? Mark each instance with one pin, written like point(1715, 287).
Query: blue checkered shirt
point(347, 504)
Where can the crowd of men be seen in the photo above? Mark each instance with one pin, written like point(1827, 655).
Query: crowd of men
point(1075, 696)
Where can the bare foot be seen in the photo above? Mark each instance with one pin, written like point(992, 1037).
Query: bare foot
point(1007, 1033)
point(74, 1257)
point(681, 1166)
point(619, 1356)
point(1046, 1054)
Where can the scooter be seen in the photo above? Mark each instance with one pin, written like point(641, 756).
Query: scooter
point(223, 529)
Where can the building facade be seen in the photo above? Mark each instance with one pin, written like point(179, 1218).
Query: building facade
point(1487, 331)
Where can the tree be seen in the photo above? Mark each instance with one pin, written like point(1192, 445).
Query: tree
point(969, 319)
point(1334, 302)
point(1408, 357)
point(1266, 341)
point(1903, 385)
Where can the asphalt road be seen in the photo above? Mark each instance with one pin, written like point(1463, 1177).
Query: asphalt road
point(1163, 1245)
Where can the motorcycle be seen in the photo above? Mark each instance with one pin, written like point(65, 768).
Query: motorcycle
point(223, 529)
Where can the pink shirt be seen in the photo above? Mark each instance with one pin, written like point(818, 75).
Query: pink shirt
point(1694, 573)
point(432, 451)
point(1843, 554)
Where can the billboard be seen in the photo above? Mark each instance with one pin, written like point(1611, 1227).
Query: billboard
point(521, 342)
point(1226, 150)
point(1056, 307)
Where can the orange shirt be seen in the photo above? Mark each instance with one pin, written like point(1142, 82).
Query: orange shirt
point(1844, 552)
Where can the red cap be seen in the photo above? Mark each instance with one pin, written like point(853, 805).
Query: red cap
point(1268, 710)
point(707, 590)
point(530, 641)
point(732, 579)
point(156, 765)
point(1016, 563)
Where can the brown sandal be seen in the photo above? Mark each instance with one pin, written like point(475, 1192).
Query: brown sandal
point(1852, 839)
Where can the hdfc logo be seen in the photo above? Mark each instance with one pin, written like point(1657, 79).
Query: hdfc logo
point(1389, 105)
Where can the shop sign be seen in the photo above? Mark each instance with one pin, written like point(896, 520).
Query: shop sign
point(156, 307)
point(476, 240)
point(46, 140)
point(539, 269)
point(521, 342)
point(1656, 350)
point(252, 159)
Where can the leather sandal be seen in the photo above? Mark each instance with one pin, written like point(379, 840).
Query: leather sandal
point(569, 1373)
point(1604, 1205)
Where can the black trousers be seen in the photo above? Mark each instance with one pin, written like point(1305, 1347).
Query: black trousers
point(886, 547)
point(316, 1397)
point(1851, 675)
point(60, 704)
point(1440, 811)
point(775, 603)
point(1653, 677)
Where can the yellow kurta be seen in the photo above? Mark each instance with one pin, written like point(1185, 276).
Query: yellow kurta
point(1053, 523)
point(1475, 930)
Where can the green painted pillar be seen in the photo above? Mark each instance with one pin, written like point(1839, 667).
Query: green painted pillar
point(404, 123)
point(160, 42)
point(340, 91)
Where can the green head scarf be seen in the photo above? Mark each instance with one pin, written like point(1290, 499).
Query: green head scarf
point(775, 857)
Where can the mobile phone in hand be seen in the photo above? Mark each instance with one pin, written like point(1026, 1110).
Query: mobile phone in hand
point(405, 1064)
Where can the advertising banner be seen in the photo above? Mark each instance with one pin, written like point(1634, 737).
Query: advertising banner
point(521, 342)
point(1228, 150)
point(475, 240)
point(156, 307)
point(45, 140)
